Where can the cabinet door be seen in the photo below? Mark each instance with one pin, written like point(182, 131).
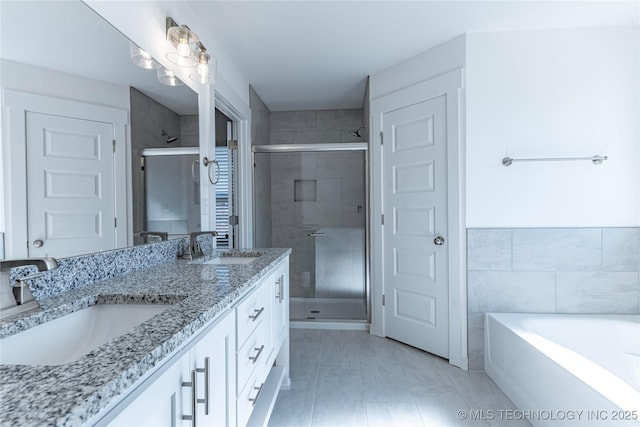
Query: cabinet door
point(162, 403)
point(213, 360)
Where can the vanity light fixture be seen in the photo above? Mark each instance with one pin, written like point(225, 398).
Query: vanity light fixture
point(141, 58)
point(167, 77)
point(184, 40)
point(206, 68)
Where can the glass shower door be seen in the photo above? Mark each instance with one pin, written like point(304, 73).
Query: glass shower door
point(315, 204)
point(171, 192)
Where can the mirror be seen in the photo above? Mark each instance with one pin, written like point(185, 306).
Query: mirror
point(83, 46)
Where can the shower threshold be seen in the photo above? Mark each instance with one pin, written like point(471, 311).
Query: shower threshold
point(327, 309)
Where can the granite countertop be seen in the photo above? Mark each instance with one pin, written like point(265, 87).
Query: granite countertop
point(71, 394)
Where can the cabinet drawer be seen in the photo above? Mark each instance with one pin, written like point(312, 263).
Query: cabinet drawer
point(250, 312)
point(253, 353)
point(247, 399)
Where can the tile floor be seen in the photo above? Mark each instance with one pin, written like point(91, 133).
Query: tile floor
point(354, 379)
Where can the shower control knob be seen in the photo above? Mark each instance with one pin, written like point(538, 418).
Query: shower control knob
point(38, 243)
point(439, 240)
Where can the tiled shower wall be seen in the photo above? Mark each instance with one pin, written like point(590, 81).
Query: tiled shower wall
point(549, 270)
point(339, 188)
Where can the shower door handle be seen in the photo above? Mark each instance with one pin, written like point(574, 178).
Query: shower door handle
point(315, 234)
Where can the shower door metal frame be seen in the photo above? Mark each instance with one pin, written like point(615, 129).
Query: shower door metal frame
point(323, 147)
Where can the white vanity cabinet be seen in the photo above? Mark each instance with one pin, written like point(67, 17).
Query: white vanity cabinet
point(230, 373)
point(198, 380)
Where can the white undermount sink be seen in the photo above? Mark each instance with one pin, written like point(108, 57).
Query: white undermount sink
point(67, 338)
point(230, 258)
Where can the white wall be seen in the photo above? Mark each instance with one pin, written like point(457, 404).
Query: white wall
point(443, 58)
point(554, 93)
point(41, 81)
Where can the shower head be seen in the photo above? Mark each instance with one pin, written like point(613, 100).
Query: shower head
point(170, 138)
point(356, 132)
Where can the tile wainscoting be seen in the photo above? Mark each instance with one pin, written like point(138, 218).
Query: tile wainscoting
point(549, 270)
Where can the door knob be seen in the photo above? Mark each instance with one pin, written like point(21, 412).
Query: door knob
point(38, 243)
point(439, 240)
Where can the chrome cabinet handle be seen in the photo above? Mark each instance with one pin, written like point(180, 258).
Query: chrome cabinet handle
point(205, 371)
point(38, 243)
point(439, 240)
point(254, 359)
point(281, 288)
point(254, 399)
point(257, 314)
point(316, 234)
point(191, 384)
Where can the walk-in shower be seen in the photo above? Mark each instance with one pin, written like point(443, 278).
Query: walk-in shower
point(312, 198)
point(171, 202)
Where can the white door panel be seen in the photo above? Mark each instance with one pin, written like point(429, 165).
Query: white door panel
point(70, 185)
point(415, 203)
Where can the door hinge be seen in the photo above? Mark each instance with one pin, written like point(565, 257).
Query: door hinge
point(383, 299)
point(115, 222)
point(382, 219)
point(232, 144)
point(114, 145)
point(381, 137)
point(233, 220)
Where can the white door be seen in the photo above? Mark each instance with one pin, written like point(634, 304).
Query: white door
point(415, 225)
point(70, 185)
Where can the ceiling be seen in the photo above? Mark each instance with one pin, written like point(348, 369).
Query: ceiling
point(298, 55)
point(317, 54)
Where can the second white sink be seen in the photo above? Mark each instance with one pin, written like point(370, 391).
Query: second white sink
point(67, 338)
point(231, 260)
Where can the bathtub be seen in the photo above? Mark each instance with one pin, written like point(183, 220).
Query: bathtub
point(565, 369)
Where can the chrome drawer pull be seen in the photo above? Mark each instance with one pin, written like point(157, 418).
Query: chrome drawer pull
point(281, 288)
point(254, 399)
point(191, 384)
point(257, 314)
point(205, 371)
point(254, 359)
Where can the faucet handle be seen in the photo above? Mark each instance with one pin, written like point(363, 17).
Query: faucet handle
point(43, 264)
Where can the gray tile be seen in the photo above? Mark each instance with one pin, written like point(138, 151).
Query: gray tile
point(339, 353)
point(621, 249)
point(439, 406)
point(500, 291)
point(292, 120)
point(281, 137)
point(479, 391)
point(416, 381)
point(561, 249)
point(488, 249)
point(476, 341)
point(340, 119)
point(339, 413)
point(598, 292)
point(315, 136)
point(294, 407)
point(393, 414)
point(341, 384)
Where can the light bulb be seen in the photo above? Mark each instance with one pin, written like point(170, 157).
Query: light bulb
point(183, 48)
point(202, 69)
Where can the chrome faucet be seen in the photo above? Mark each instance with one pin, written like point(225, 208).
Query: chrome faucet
point(195, 251)
point(20, 294)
